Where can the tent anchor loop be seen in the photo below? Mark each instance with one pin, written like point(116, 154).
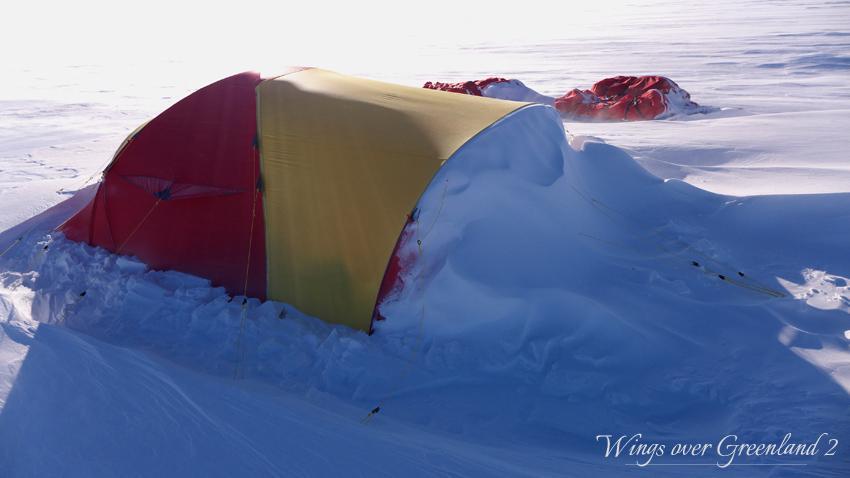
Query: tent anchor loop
point(371, 414)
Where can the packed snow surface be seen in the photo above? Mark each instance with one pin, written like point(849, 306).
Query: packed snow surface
point(684, 279)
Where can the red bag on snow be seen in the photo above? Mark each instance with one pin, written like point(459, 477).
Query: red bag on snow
point(621, 98)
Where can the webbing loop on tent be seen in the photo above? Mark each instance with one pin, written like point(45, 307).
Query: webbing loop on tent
point(371, 414)
point(164, 194)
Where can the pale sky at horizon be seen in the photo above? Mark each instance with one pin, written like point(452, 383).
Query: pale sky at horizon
point(304, 32)
point(193, 42)
point(108, 25)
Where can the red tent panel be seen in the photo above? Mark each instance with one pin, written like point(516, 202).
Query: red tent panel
point(184, 195)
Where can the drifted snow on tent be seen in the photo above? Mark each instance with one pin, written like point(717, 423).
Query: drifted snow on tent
point(621, 98)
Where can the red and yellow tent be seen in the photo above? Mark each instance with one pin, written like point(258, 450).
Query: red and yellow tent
point(293, 188)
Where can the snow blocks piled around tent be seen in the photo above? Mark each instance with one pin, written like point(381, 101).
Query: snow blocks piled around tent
point(621, 98)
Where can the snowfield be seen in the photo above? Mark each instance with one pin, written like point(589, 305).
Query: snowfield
point(685, 279)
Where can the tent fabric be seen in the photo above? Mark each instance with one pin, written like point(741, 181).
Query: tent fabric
point(344, 160)
point(206, 143)
point(294, 188)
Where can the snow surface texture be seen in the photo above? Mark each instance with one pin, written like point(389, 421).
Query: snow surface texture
point(609, 328)
point(515, 90)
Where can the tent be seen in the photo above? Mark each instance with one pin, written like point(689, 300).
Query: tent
point(294, 188)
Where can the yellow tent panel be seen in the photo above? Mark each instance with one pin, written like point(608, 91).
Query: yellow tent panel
point(343, 161)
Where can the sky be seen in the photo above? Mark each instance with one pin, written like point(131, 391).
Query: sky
point(109, 44)
point(301, 32)
point(304, 29)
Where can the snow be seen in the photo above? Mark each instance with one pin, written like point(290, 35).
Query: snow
point(515, 90)
point(555, 297)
